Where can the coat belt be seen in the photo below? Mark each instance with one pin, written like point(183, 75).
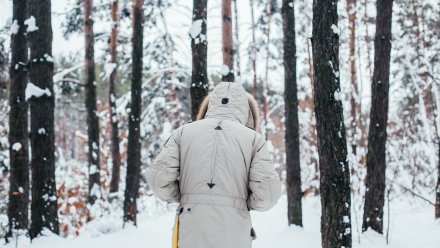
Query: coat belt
point(215, 200)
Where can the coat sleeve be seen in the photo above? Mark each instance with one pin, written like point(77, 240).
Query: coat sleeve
point(264, 182)
point(163, 175)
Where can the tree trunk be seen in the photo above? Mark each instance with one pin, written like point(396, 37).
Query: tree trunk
point(332, 146)
point(237, 39)
point(114, 133)
point(227, 41)
point(134, 143)
point(354, 98)
point(199, 48)
point(377, 137)
point(435, 112)
point(254, 51)
point(44, 195)
point(293, 168)
point(92, 117)
point(18, 125)
point(266, 71)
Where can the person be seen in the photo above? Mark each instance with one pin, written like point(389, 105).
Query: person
point(217, 168)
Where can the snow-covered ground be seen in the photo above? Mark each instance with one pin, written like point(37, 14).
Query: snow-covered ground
point(411, 226)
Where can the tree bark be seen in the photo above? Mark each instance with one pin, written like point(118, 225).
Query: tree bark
point(114, 133)
point(44, 195)
point(377, 137)
point(269, 13)
point(92, 117)
point(254, 51)
point(199, 47)
point(293, 168)
point(332, 146)
point(134, 142)
point(237, 40)
point(354, 98)
point(435, 113)
point(18, 125)
point(227, 40)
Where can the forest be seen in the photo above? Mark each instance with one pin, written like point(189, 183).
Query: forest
point(348, 91)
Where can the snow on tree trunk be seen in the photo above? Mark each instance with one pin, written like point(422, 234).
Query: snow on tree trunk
point(92, 117)
point(332, 147)
point(44, 195)
point(293, 168)
point(18, 124)
point(227, 42)
point(114, 133)
point(134, 145)
point(199, 48)
point(377, 137)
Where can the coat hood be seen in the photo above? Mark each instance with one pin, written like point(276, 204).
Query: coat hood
point(230, 101)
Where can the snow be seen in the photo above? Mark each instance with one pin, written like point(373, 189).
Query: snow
point(14, 27)
point(34, 91)
point(108, 69)
point(48, 57)
point(196, 28)
point(224, 70)
point(337, 95)
point(16, 146)
point(335, 29)
point(411, 225)
point(31, 24)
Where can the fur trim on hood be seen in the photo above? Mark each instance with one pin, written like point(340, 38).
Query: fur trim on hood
point(253, 118)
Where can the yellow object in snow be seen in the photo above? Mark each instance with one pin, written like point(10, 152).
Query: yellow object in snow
point(176, 232)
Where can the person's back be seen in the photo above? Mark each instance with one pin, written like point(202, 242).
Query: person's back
point(218, 169)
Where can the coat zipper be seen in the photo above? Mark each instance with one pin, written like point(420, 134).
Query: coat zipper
point(215, 153)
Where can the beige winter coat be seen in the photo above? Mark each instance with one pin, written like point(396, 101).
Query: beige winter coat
point(218, 169)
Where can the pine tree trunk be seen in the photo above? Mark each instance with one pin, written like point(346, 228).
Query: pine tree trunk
point(437, 190)
point(293, 168)
point(377, 137)
point(42, 136)
point(266, 71)
point(354, 98)
point(18, 125)
point(199, 48)
point(332, 147)
point(114, 133)
point(435, 113)
point(92, 117)
point(254, 51)
point(227, 40)
point(237, 40)
point(134, 143)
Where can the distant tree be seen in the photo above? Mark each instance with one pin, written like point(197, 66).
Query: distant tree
point(41, 101)
point(354, 97)
point(114, 133)
point(134, 144)
point(92, 117)
point(18, 203)
point(332, 146)
point(437, 189)
point(377, 137)
point(237, 40)
point(293, 169)
point(199, 48)
point(227, 41)
point(4, 67)
point(253, 50)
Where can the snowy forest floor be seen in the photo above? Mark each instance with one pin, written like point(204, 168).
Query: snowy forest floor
point(411, 225)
